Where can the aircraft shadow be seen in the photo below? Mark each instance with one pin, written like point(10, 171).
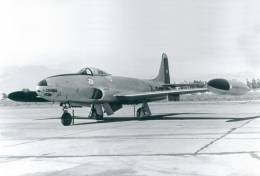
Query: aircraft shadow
point(158, 116)
point(166, 117)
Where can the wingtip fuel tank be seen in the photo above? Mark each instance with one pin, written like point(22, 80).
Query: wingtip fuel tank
point(227, 87)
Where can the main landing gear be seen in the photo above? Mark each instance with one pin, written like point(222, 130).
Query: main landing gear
point(96, 112)
point(143, 111)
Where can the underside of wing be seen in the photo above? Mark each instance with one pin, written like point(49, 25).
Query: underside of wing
point(194, 85)
point(156, 95)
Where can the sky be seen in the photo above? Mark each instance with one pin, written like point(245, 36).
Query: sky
point(127, 37)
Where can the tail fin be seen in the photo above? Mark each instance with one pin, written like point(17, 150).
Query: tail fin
point(164, 75)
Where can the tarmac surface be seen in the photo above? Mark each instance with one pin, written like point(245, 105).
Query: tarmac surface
point(182, 138)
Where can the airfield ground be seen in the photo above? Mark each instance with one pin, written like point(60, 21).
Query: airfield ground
point(196, 138)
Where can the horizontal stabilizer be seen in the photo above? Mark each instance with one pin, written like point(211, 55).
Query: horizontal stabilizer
point(25, 96)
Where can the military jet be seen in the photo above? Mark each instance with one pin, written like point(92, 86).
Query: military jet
point(104, 93)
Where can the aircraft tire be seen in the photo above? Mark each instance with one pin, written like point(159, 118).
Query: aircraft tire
point(96, 116)
point(66, 119)
point(138, 113)
point(99, 117)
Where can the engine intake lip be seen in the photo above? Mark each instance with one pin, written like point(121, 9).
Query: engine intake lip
point(221, 84)
point(43, 83)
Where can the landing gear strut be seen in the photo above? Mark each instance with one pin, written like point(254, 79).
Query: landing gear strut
point(143, 111)
point(96, 112)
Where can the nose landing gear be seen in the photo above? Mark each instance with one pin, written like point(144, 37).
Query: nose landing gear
point(67, 119)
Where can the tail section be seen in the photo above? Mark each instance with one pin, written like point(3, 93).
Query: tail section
point(164, 75)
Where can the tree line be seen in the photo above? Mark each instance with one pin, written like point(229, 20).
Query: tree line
point(253, 84)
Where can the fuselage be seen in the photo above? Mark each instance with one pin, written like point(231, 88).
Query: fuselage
point(80, 88)
point(107, 94)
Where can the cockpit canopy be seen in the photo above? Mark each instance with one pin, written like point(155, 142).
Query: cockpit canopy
point(92, 72)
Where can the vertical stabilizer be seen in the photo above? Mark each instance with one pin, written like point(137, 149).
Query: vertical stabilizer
point(164, 75)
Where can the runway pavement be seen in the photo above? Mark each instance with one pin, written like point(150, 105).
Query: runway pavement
point(185, 138)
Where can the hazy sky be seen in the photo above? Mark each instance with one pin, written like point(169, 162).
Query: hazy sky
point(127, 37)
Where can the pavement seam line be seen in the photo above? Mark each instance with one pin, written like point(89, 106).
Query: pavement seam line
point(221, 137)
point(124, 155)
point(39, 140)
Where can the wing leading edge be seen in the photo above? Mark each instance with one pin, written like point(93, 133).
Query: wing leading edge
point(157, 94)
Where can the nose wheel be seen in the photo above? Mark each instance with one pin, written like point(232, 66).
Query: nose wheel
point(66, 118)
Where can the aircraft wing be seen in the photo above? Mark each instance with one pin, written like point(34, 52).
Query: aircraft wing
point(157, 94)
point(182, 85)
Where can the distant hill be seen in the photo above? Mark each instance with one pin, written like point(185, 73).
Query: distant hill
point(17, 78)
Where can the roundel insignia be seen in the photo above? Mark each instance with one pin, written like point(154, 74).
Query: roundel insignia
point(91, 81)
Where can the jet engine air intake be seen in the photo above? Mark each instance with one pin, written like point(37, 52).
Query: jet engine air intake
point(97, 94)
point(43, 83)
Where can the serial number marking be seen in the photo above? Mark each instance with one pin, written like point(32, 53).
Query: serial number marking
point(51, 90)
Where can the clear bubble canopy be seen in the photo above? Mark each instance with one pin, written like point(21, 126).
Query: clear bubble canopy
point(93, 71)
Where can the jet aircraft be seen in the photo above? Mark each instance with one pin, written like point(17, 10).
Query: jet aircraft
point(104, 93)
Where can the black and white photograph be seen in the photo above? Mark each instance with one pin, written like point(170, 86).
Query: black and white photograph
point(129, 88)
